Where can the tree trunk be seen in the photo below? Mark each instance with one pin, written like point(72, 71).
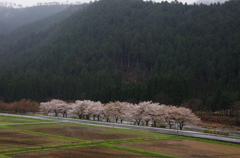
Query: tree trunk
point(181, 124)
point(128, 61)
point(170, 124)
point(154, 124)
point(137, 62)
point(138, 122)
point(121, 121)
point(121, 63)
point(146, 123)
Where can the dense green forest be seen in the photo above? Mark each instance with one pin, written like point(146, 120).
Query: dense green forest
point(131, 50)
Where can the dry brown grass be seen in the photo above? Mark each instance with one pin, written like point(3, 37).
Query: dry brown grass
point(227, 120)
point(209, 124)
point(216, 121)
point(86, 152)
point(186, 148)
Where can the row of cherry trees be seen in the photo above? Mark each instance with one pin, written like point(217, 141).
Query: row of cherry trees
point(144, 112)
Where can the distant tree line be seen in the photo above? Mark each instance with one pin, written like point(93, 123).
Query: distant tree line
point(99, 87)
point(21, 106)
point(10, 5)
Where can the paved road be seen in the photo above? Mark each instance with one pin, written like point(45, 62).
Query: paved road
point(158, 130)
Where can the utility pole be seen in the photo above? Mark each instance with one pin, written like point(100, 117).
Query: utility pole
point(113, 122)
point(174, 131)
point(177, 127)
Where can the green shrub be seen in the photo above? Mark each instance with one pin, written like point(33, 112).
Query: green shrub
point(216, 132)
point(162, 126)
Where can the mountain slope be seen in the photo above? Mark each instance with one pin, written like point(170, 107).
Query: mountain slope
point(194, 47)
point(40, 25)
point(12, 18)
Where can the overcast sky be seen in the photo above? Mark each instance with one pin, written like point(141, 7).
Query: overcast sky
point(34, 2)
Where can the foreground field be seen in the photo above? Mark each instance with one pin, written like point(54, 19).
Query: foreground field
point(84, 152)
point(89, 133)
point(6, 120)
point(12, 139)
point(35, 138)
point(186, 148)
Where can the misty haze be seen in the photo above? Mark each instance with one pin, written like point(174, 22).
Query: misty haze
point(120, 78)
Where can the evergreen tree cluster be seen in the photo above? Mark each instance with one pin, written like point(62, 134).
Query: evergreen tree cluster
point(102, 87)
point(175, 51)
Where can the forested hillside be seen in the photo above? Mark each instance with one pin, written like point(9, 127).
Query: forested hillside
point(12, 18)
point(37, 26)
point(131, 51)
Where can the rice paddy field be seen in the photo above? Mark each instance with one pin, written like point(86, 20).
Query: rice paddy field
point(24, 137)
point(6, 120)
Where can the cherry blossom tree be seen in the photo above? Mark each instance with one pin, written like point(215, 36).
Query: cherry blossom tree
point(125, 112)
point(96, 110)
point(64, 109)
point(170, 116)
point(114, 110)
point(56, 106)
point(136, 113)
point(184, 116)
point(157, 113)
point(45, 108)
point(79, 108)
point(88, 112)
point(145, 111)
